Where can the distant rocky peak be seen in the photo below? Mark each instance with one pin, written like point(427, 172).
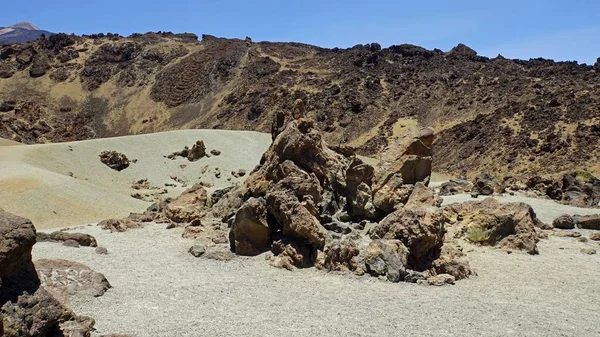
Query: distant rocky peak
point(25, 25)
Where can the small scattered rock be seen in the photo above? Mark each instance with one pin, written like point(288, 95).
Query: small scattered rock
point(215, 152)
point(582, 239)
point(197, 250)
point(441, 280)
point(564, 221)
point(238, 173)
point(588, 251)
point(101, 251)
point(568, 234)
point(219, 255)
point(71, 243)
point(595, 236)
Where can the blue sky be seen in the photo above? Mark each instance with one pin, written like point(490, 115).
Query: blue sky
point(560, 30)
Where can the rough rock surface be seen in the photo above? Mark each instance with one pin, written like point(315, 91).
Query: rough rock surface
point(64, 278)
point(115, 160)
point(564, 221)
point(403, 163)
point(28, 310)
point(197, 152)
point(119, 225)
point(187, 206)
point(587, 221)
point(387, 258)
point(62, 236)
point(421, 230)
point(511, 225)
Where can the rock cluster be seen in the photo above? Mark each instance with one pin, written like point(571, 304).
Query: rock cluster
point(197, 151)
point(115, 160)
point(310, 205)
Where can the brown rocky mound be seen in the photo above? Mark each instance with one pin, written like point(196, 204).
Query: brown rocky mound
point(309, 205)
point(510, 226)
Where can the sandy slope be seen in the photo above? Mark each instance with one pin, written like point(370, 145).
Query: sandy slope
point(57, 185)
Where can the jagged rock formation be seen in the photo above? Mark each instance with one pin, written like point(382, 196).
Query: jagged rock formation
point(495, 115)
point(28, 310)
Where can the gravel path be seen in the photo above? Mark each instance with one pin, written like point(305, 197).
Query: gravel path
point(161, 290)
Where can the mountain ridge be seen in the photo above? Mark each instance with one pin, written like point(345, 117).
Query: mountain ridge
point(493, 114)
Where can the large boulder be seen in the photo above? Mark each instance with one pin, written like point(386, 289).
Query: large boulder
point(387, 258)
point(359, 200)
point(407, 161)
point(17, 272)
point(485, 184)
point(294, 218)
point(564, 221)
point(421, 230)
point(489, 222)
point(64, 278)
point(587, 221)
point(251, 233)
point(28, 310)
point(188, 206)
point(115, 160)
point(452, 261)
point(422, 196)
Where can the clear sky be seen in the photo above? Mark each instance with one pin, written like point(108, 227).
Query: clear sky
point(560, 30)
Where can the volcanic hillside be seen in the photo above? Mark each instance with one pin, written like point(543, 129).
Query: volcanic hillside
point(498, 115)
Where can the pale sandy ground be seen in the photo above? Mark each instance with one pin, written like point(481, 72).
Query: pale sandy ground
point(161, 290)
point(35, 180)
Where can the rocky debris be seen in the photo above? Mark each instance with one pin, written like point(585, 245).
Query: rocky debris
point(568, 234)
point(27, 309)
point(421, 230)
point(340, 256)
point(115, 160)
point(238, 173)
point(62, 236)
point(587, 221)
point(197, 250)
point(440, 280)
point(582, 239)
point(187, 206)
point(40, 314)
point(564, 221)
point(197, 152)
point(595, 236)
point(510, 225)
point(64, 278)
point(588, 251)
point(119, 225)
point(215, 152)
point(101, 251)
point(452, 261)
point(291, 253)
point(485, 184)
point(455, 186)
point(387, 258)
point(579, 189)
